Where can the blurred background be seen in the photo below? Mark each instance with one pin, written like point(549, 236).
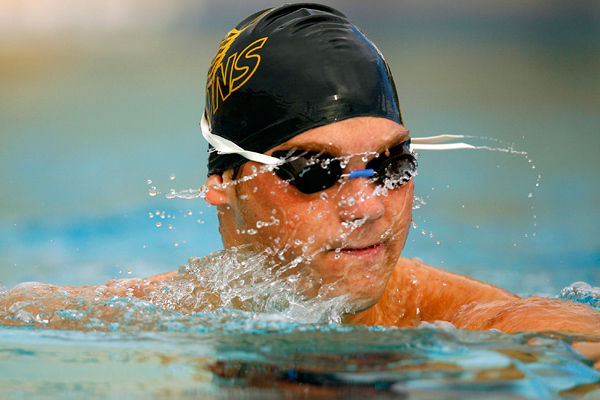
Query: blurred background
point(100, 102)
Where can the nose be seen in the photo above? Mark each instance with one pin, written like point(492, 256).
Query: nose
point(359, 201)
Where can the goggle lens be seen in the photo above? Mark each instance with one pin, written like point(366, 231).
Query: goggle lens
point(314, 172)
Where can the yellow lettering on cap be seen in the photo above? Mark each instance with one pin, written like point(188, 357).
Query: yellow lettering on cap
point(225, 79)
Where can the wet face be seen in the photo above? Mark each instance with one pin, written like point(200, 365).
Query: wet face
point(343, 240)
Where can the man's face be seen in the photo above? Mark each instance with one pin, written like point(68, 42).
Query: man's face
point(347, 237)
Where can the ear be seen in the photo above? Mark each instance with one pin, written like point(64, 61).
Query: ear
point(217, 194)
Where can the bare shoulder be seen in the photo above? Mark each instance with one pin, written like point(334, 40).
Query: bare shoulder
point(529, 314)
point(439, 293)
point(475, 305)
point(418, 292)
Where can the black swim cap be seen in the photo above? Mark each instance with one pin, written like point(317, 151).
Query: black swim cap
point(292, 68)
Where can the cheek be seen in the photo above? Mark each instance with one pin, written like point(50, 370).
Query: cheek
point(398, 205)
point(273, 212)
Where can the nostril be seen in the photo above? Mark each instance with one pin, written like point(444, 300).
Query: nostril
point(361, 207)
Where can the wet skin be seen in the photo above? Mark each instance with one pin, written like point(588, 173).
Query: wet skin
point(351, 234)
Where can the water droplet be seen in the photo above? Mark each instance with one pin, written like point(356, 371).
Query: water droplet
point(129, 271)
point(200, 221)
point(152, 191)
point(189, 212)
point(175, 244)
point(530, 195)
point(172, 177)
point(170, 226)
point(324, 196)
point(438, 242)
point(351, 201)
point(149, 181)
point(424, 232)
point(159, 224)
point(151, 215)
point(252, 231)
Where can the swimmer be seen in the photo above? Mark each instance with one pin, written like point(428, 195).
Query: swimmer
point(310, 165)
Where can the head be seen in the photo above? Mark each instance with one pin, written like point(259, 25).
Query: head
point(303, 85)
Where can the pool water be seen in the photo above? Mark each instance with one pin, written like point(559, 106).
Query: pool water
point(245, 355)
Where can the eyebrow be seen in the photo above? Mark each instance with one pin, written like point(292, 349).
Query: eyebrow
point(332, 149)
point(328, 148)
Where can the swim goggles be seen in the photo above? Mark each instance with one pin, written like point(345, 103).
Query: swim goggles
point(312, 172)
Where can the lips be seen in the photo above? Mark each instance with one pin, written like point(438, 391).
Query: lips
point(361, 251)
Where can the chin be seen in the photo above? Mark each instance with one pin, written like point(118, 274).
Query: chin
point(362, 295)
point(361, 304)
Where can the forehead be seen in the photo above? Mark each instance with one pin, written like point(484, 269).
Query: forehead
point(350, 136)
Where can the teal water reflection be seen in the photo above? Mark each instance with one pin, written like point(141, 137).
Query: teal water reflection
point(259, 356)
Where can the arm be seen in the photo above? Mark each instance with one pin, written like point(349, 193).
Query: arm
point(529, 314)
point(130, 287)
point(21, 304)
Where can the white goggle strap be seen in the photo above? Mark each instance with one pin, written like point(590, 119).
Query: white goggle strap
point(432, 143)
point(224, 146)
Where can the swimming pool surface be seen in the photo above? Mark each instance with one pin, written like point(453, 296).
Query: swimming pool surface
point(235, 354)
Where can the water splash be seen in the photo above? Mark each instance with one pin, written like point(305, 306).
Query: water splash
point(504, 147)
point(188, 194)
point(248, 281)
point(418, 203)
point(582, 292)
point(232, 279)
